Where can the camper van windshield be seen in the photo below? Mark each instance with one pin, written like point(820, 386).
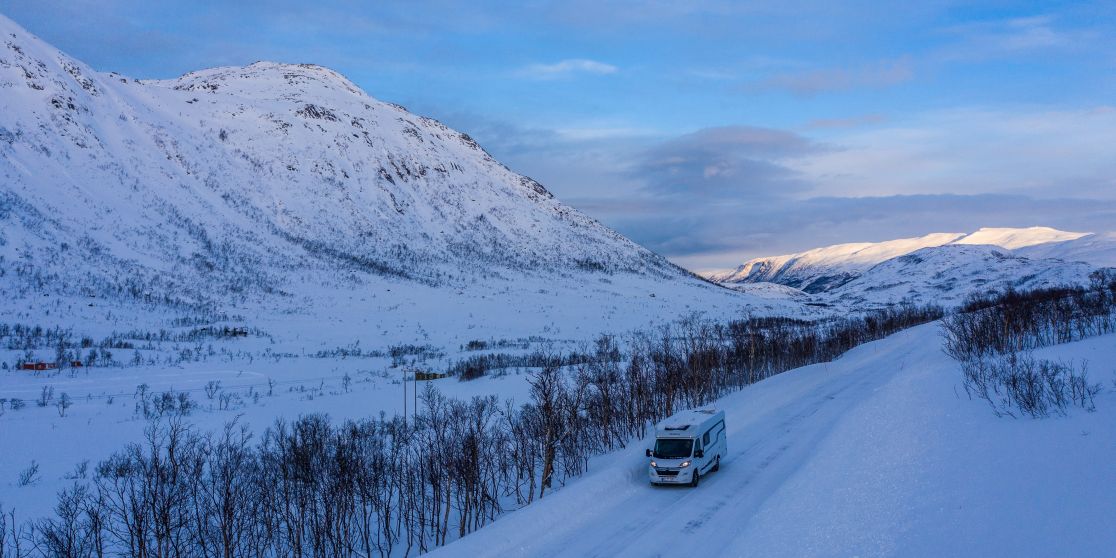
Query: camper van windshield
point(673, 448)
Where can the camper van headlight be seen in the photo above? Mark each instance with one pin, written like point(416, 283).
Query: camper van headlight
point(685, 464)
point(653, 464)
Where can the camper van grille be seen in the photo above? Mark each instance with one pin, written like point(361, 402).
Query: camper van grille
point(666, 473)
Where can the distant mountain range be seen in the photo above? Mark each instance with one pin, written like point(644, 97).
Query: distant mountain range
point(941, 267)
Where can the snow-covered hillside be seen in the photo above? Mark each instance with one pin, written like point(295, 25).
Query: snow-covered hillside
point(945, 275)
point(284, 195)
point(874, 454)
point(941, 267)
point(829, 267)
point(1096, 249)
point(1018, 238)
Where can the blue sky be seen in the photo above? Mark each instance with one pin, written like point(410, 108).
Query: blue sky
point(709, 131)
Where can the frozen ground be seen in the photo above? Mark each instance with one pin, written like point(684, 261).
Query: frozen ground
point(876, 454)
point(103, 417)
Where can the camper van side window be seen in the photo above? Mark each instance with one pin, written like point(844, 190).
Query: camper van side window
point(705, 439)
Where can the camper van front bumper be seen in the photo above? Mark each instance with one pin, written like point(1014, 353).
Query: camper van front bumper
point(666, 475)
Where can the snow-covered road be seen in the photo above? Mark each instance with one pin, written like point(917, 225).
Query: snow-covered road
point(764, 451)
point(861, 456)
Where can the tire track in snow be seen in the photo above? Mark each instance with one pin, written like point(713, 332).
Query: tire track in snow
point(762, 460)
point(774, 428)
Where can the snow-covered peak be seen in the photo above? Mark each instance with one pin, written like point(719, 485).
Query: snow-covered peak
point(1018, 238)
point(873, 252)
point(31, 69)
point(269, 81)
point(16, 37)
point(946, 274)
point(845, 270)
point(1096, 249)
point(807, 270)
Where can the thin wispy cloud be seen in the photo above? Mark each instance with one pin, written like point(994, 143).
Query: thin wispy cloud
point(1030, 32)
point(845, 122)
point(1012, 150)
point(603, 132)
point(813, 82)
point(1011, 37)
point(567, 68)
point(738, 163)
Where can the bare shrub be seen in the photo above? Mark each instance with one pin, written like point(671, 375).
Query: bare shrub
point(211, 388)
point(30, 475)
point(992, 334)
point(64, 403)
point(1036, 388)
point(45, 396)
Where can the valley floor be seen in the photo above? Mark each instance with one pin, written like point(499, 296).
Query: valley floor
point(104, 416)
point(879, 453)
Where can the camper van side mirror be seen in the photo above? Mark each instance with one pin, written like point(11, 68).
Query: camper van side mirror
point(699, 453)
point(648, 453)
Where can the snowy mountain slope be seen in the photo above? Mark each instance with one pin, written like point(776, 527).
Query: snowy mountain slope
point(295, 153)
point(1018, 238)
point(770, 291)
point(945, 275)
point(871, 455)
point(278, 189)
point(858, 273)
point(825, 268)
point(1095, 249)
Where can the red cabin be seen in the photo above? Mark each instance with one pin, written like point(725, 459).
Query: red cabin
point(39, 365)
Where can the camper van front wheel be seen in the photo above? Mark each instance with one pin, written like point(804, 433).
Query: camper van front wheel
point(694, 481)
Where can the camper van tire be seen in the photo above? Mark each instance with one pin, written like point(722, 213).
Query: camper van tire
point(717, 464)
point(696, 478)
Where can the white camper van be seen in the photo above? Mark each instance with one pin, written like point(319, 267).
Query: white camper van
point(687, 446)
